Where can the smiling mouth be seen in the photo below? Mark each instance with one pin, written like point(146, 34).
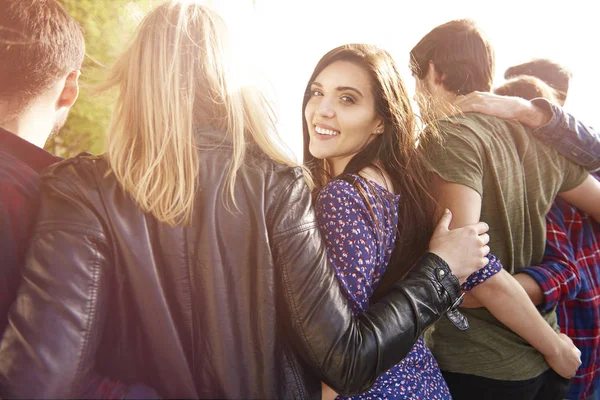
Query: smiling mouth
point(326, 132)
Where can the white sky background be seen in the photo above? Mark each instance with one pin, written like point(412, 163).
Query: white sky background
point(287, 38)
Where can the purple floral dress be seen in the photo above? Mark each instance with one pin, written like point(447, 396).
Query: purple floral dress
point(359, 248)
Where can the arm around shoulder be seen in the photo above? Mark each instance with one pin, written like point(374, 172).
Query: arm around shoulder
point(569, 136)
point(348, 352)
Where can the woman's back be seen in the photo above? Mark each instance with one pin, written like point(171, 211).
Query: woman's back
point(195, 311)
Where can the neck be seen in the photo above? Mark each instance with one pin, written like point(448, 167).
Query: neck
point(26, 131)
point(336, 166)
point(31, 125)
point(444, 104)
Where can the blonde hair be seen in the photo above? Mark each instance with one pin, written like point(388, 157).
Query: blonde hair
point(176, 75)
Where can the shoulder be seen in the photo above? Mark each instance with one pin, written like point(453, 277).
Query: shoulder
point(341, 194)
point(340, 188)
point(13, 171)
point(74, 167)
point(78, 176)
point(19, 184)
point(467, 133)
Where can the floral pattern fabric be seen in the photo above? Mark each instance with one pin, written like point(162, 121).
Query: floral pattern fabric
point(360, 238)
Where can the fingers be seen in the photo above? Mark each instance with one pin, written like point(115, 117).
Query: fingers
point(485, 238)
point(443, 224)
point(483, 262)
point(486, 250)
point(481, 227)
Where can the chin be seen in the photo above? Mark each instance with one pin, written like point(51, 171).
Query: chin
point(317, 152)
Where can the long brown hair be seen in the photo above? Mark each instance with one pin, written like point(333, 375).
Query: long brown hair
point(395, 152)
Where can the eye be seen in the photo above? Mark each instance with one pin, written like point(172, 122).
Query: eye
point(347, 99)
point(315, 92)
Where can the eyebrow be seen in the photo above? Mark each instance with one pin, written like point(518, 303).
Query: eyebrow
point(339, 88)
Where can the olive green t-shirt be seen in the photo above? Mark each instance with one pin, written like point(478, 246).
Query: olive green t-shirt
point(518, 178)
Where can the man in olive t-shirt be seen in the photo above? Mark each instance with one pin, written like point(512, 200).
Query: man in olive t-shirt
point(499, 174)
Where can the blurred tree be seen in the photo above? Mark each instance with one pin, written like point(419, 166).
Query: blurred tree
point(107, 25)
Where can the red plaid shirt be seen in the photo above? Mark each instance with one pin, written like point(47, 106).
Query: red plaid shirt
point(570, 280)
point(20, 165)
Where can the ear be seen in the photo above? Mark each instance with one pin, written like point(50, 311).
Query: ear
point(433, 74)
point(379, 128)
point(70, 91)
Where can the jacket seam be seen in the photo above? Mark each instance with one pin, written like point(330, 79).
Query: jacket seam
point(190, 298)
point(72, 226)
point(415, 310)
point(279, 204)
point(91, 311)
point(295, 310)
point(292, 364)
point(306, 226)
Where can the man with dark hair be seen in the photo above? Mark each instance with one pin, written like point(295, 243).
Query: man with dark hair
point(552, 73)
point(490, 169)
point(41, 52)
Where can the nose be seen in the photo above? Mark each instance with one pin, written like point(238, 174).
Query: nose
point(325, 109)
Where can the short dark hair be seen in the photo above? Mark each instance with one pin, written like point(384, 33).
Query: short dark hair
point(528, 88)
point(460, 52)
point(39, 42)
point(551, 72)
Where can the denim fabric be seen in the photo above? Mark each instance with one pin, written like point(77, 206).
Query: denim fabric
point(569, 136)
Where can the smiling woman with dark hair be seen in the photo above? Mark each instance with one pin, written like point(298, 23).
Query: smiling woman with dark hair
point(372, 193)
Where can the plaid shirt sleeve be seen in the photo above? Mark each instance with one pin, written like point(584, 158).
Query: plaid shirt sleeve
point(558, 274)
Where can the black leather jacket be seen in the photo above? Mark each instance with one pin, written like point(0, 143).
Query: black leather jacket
point(237, 305)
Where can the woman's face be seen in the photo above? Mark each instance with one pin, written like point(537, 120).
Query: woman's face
point(340, 114)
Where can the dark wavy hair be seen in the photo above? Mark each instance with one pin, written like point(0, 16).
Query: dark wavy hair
point(395, 152)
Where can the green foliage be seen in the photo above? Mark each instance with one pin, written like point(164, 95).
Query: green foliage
point(108, 26)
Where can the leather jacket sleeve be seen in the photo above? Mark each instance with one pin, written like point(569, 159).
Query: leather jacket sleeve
point(348, 352)
point(48, 349)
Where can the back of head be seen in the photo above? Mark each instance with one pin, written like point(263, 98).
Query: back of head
point(528, 88)
point(178, 74)
point(39, 43)
point(461, 54)
point(552, 73)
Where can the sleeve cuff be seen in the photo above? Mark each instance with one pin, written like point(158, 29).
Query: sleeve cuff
point(549, 130)
point(542, 279)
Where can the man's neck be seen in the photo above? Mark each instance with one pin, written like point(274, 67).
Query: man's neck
point(29, 131)
point(444, 104)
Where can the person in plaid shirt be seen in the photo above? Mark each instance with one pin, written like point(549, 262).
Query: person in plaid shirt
point(41, 52)
point(569, 278)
